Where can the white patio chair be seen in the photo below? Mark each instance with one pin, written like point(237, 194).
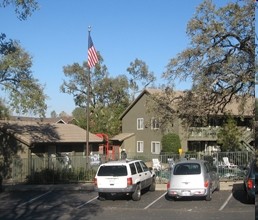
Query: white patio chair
point(228, 164)
point(156, 165)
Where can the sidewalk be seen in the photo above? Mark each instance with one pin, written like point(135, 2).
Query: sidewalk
point(89, 187)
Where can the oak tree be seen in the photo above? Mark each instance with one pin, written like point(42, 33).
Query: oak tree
point(220, 59)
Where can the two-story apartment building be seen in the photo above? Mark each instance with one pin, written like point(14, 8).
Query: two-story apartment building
point(142, 134)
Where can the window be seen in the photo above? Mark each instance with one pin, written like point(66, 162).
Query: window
point(187, 169)
point(132, 168)
point(155, 147)
point(144, 166)
point(138, 167)
point(140, 146)
point(112, 171)
point(140, 124)
point(154, 124)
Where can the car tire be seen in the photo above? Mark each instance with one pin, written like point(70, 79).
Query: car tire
point(136, 196)
point(102, 196)
point(208, 196)
point(218, 186)
point(153, 185)
point(169, 198)
point(249, 199)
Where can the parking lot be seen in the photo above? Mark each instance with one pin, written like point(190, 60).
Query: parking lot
point(83, 204)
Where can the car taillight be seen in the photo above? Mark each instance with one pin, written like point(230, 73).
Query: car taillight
point(168, 185)
point(129, 181)
point(95, 182)
point(250, 184)
point(206, 183)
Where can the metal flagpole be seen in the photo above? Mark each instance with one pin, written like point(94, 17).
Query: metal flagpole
point(92, 60)
point(88, 106)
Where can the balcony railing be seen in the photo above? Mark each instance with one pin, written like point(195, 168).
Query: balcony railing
point(203, 133)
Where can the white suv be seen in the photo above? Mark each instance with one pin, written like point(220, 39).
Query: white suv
point(124, 177)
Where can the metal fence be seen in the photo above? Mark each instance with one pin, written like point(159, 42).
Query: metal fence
point(67, 169)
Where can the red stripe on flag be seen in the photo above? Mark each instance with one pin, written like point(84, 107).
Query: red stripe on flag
point(92, 54)
point(92, 57)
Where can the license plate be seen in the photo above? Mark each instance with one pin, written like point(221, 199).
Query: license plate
point(186, 193)
point(111, 181)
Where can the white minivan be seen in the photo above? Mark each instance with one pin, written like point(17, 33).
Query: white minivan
point(127, 177)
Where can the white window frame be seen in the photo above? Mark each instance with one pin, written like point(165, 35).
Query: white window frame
point(140, 147)
point(155, 147)
point(154, 123)
point(140, 123)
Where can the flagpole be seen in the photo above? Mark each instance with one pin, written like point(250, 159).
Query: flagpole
point(92, 61)
point(88, 105)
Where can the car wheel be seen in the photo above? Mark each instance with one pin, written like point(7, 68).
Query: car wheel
point(249, 199)
point(153, 185)
point(218, 186)
point(208, 196)
point(102, 196)
point(136, 196)
point(169, 198)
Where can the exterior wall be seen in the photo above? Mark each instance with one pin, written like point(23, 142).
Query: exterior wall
point(129, 145)
point(147, 135)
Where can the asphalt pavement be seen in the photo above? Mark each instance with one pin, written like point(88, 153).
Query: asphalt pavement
point(89, 186)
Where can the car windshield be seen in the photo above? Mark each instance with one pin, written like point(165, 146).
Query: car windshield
point(112, 171)
point(187, 169)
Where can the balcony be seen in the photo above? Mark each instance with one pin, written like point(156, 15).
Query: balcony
point(202, 133)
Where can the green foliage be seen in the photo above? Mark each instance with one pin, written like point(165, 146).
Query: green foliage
point(108, 97)
point(220, 60)
point(229, 136)
point(256, 109)
point(140, 76)
point(50, 176)
point(24, 91)
point(170, 143)
point(23, 8)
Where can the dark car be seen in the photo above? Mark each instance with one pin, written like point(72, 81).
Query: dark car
point(250, 185)
point(1, 182)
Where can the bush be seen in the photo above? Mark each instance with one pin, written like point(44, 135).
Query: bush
point(170, 143)
point(50, 176)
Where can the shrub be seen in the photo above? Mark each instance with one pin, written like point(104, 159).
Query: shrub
point(170, 143)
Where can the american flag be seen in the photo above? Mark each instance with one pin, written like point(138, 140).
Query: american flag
point(92, 54)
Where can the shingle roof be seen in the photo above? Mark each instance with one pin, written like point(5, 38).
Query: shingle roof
point(34, 132)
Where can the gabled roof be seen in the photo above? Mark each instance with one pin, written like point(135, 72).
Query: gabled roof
point(62, 120)
point(31, 133)
point(232, 107)
point(145, 91)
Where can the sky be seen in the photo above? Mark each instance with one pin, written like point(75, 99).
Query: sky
point(56, 35)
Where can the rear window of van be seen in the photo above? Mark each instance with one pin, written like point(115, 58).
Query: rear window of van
point(112, 171)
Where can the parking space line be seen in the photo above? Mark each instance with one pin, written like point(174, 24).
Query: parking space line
point(155, 200)
point(32, 200)
point(225, 203)
point(78, 207)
